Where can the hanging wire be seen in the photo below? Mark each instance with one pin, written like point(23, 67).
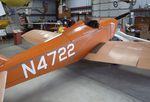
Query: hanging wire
point(99, 8)
point(86, 6)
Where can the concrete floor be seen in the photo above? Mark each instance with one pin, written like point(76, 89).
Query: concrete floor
point(84, 81)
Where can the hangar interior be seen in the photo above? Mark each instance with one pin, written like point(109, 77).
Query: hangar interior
point(30, 23)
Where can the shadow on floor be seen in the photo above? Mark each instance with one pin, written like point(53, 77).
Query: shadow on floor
point(133, 84)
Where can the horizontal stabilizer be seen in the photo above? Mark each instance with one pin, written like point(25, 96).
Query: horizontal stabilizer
point(126, 53)
point(3, 77)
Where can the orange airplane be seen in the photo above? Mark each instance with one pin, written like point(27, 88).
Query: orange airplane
point(52, 51)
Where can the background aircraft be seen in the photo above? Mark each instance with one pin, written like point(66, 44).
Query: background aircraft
point(4, 24)
point(15, 3)
point(11, 3)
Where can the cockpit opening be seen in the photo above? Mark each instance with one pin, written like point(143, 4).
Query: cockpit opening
point(92, 23)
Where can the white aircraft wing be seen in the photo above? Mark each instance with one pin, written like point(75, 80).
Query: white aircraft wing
point(135, 54)
point(39, 36)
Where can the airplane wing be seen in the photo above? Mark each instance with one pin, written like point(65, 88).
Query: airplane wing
point(39, 36)
point(127, 53)
point(4, 24)
point(3, 77)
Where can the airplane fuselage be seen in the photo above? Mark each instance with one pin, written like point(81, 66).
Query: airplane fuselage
point(63, 50)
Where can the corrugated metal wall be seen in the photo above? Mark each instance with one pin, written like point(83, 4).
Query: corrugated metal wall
point(78, 3)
